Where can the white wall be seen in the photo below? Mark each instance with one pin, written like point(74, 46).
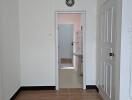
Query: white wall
point(9, 48)
point(37, 28)
point(126, 52)
point(37, 43)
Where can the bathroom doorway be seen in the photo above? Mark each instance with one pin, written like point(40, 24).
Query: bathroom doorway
point(70, 29)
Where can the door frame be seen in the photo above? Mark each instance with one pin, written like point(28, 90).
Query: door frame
point(56, 46)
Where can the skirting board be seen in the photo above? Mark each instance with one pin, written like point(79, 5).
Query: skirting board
point(15, 95)
point(88, 87)
point(33, 88)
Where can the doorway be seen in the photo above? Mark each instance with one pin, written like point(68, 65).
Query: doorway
point(70, 29)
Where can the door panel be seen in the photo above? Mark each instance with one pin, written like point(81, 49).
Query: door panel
point(65, 39)
point(1, 88)
point(107, 47)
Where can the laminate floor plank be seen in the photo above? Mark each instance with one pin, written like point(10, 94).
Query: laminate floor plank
point(62, 94)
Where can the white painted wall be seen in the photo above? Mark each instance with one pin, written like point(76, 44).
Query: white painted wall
point(37, 43)
point(126, 52)
point(37, 29)
point(9, 49)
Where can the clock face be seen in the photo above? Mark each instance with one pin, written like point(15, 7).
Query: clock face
point(70, 3)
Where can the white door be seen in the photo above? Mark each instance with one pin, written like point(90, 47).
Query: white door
point(65, 41)
point(1, 85)
point(107, 49)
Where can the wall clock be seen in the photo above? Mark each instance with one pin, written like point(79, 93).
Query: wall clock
point(70, 3)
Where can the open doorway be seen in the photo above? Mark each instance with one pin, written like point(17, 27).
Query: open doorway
point(70, 29)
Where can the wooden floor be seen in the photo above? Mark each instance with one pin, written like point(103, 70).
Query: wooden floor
point(63, 94)
point(66, 61)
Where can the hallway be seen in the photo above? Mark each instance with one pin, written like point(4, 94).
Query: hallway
point(63, 94)
point(70, 78)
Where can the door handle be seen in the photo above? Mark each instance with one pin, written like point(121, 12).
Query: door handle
point(111, 54)
point(72, 43)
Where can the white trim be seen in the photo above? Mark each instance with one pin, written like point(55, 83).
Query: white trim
point(71, 12)
point(56, 54)
point(84, 51)
point(56, 47)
